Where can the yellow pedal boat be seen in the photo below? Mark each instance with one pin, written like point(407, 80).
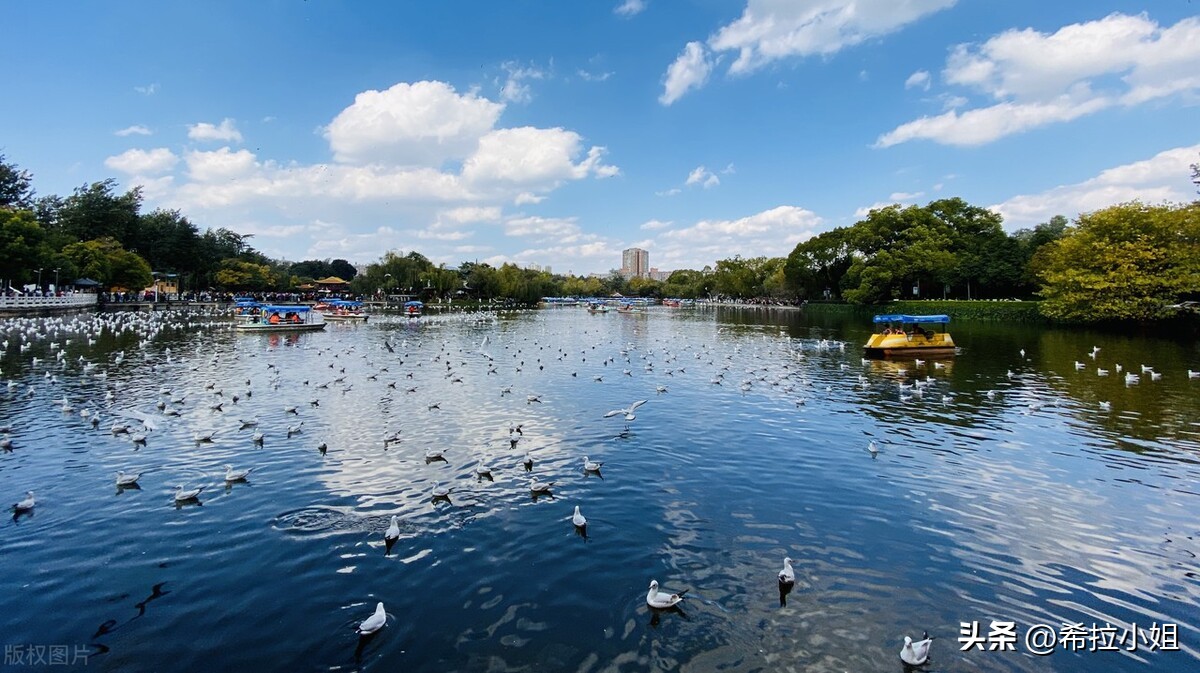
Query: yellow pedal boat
point(899, 335)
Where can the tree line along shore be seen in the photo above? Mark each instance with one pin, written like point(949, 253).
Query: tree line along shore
point(1128, 262)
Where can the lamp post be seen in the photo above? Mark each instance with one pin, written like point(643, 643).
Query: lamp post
point(39, 280)
point(387, 284)
point(56, 279)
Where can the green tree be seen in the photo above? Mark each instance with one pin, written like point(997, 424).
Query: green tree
point(96, 211)
point(105, 261)
point(240, 275)
point(343, 269)
point(16, 186)
point(169, 242)
point(20, 246)
point(1126, 262)
point(484, 281)
point(819, 264)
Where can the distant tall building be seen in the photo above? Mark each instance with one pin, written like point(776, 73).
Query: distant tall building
point(635, 263)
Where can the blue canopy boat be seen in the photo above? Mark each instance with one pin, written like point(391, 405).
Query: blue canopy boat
point(902, 335)
point(281, 318)
point(413, 308)
point(343, 310)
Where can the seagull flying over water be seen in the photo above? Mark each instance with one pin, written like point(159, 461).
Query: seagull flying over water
point(627, 412)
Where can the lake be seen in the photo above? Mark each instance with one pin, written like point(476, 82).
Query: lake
point(1002, 490)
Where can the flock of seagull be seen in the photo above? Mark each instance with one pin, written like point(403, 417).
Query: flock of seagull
point(45, 372)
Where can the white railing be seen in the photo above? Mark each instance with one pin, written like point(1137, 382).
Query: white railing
point(69, 301)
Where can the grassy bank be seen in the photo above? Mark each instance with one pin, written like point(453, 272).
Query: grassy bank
point(998, 311)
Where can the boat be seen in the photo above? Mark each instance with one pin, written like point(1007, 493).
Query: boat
point(413, 308)
point(901, 335)
point(280, 318)
point(341, 310)
point(597, 307)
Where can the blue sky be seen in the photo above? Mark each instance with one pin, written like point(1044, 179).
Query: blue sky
point(559, 133)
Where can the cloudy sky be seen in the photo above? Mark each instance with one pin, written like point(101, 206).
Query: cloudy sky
point(559, 133)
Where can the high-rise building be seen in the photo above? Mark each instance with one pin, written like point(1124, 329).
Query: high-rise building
point(635, 263)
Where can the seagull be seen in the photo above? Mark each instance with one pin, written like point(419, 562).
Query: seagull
point(236, 475)
point(25, 505)
point(578, 519)
point(190, 494)
point(528, 462)
point(660, 389)
point(440, 491)
point(1105, 406)
point(258, 438)
point(536, 486)
point(591, 465)
point(872, 449)
point(393, 532)
point(530, 399)
point(628, 412)
point(662, 600)
point(373, 623)
point(787, 575)
point(915, 654)
point(127, 479)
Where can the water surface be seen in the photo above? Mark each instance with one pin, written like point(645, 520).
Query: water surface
point(1003, 491)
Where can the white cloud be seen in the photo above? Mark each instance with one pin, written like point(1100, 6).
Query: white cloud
point(464, 214)
point(984, 125)
point(220, 165)
point(593, 76)
point(919, 79)
point(419, 124)
point(135, 130)
point(526, 198)
point(669, 192)
point(515, 89)
point(532, 157)
point(866, 210)
point(1161, 178)
point(1038, 78)
point(226, 132)
point(443, 235)
point(702, 176)
point(148, 90)
point(630, 8)
point(655, 224)
point(773, 233)
point(397, 176)
point(906, 196)
point(143, 162)
point(689, 71)
point(555, 227)
point(771, 30)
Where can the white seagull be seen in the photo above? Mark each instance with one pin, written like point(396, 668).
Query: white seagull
point(127, 479)
point(393, 532)
point(787, 575)
point(915, 654)
point(536, 486)
point(373, 623)
point(25, 505)
point(591, 465)
point(627, 412)
point(190, 494)
point(578, 519)
point(236, 475)
point(660, 599)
